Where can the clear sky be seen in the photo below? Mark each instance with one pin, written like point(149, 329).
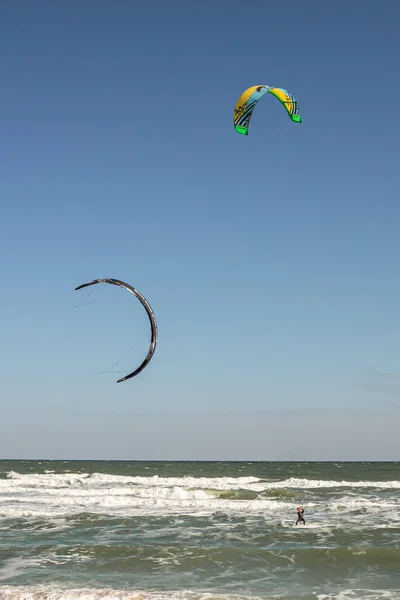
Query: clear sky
point(271, 262)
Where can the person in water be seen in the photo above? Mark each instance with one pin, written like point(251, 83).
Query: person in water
point(300, 518)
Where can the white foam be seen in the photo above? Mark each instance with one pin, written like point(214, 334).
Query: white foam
point(221, 483)
point(292, 482)
point(52, 593)
point(359, 594)
point(53, 495)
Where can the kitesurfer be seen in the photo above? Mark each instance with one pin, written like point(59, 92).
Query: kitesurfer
point(300, 518)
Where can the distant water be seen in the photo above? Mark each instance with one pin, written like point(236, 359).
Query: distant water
point(199, 530)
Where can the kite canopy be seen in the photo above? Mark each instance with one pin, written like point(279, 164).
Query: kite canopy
point(150, 314)
point(248, 100)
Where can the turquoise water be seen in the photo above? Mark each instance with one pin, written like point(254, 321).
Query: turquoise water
point(196, 530)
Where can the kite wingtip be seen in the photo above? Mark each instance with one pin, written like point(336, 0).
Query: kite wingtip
point(242, 130)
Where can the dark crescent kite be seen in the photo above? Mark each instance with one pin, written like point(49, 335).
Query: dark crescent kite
point(150, 314)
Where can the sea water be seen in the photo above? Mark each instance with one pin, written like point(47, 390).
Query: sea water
point(199, 530)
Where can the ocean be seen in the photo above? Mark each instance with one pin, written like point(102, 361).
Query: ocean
point(199, 530)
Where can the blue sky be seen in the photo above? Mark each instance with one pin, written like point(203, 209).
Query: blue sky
point(271, 262)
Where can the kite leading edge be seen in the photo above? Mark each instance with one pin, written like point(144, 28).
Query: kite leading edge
point(150, 314)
